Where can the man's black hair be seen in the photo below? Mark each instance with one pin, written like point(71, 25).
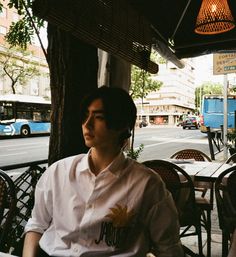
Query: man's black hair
point(119, 109)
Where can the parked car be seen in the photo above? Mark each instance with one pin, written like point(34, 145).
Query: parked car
point(191, 122)
point(143, 123)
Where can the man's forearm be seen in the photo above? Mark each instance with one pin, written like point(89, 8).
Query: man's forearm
point(31, 244)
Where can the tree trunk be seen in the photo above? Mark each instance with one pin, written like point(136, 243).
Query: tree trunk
point(73, 69)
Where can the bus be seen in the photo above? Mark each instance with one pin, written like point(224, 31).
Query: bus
point(212, 112)
point(24, 115)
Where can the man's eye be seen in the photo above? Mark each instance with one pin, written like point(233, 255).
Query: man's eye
point(99, 116)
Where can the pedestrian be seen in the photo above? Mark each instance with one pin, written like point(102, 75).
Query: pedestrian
point(103, 203)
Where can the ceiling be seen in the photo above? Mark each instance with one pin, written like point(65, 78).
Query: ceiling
point(129, 29)
point(164, 15)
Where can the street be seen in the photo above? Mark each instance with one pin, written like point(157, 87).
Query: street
point(159, 142)
point(20, 150)
point(162, 142)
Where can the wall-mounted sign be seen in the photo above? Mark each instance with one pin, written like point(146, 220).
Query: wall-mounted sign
point(224, 63)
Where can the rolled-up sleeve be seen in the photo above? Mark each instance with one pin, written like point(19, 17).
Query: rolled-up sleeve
point(42, 210)
point(164, 229)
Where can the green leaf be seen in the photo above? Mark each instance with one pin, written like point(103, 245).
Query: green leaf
point(21, 32)
point(134, 153)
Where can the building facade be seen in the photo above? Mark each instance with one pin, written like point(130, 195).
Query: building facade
point(175, 98)
point(37, 85)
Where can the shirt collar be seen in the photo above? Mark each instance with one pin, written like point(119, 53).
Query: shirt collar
point(82, 164)
point(116, 166)
point(79, 164)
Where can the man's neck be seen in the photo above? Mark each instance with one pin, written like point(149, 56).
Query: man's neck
point(99, 160)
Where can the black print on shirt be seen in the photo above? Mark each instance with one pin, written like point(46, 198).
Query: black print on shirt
point(114, 232)
point(113, 236)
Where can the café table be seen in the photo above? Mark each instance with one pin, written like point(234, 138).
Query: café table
point(201, 171)
point(204, 173)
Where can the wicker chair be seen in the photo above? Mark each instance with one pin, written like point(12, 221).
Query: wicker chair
point(205, 203)
point(7, 207)
point(191, 154)
point(179, 183)
point(226, 204)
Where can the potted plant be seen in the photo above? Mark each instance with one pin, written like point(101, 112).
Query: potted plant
point(135, 153)
point(130, 151)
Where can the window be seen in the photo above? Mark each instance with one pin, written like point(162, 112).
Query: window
point(3, 13)
point(24, 115)
point(15, 17)
point(3, 30)
point(37, 116)
point(1, 84)
point(34, 88)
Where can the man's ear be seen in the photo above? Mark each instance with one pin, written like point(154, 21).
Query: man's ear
point(125, 133)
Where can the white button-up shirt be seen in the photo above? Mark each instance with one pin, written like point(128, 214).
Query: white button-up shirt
point(119, 212)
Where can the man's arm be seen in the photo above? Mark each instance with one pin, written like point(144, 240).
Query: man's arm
point(31, 244)
point(164, 229)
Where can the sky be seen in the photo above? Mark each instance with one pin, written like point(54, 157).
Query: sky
point(204, 70)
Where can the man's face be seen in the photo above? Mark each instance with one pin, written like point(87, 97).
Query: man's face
point(95, 131)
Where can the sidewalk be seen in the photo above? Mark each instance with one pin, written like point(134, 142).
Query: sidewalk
point(216, 243)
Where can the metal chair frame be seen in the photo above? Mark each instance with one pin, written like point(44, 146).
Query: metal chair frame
point(226, 206)
point(206, 204)
point(180, 184)
point(7, 207)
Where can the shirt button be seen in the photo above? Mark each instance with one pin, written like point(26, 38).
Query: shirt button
point(75, 249)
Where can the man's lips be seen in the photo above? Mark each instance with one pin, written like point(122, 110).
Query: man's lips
point(87, 135)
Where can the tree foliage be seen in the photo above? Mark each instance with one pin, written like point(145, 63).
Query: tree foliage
point(142, 83)
point(21, 32)
point(207, 88)
point(17, 66)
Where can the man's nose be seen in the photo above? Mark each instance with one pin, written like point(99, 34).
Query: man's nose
point(89, 121)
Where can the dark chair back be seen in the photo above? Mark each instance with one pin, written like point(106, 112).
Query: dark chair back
point(225, 191)
point(195, 154)
point(180, 184)
point(204, 199)
point(171, 179)
point(7, 207)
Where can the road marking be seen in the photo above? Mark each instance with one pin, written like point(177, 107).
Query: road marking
point(174, 140)
point(11, 154)
point(19, 145)
point(25, 148)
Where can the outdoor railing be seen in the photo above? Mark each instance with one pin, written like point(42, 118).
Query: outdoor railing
point(25, 183)
point(215, 141)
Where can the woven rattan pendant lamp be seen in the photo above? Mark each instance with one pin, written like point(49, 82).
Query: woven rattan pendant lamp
point(214, 17)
